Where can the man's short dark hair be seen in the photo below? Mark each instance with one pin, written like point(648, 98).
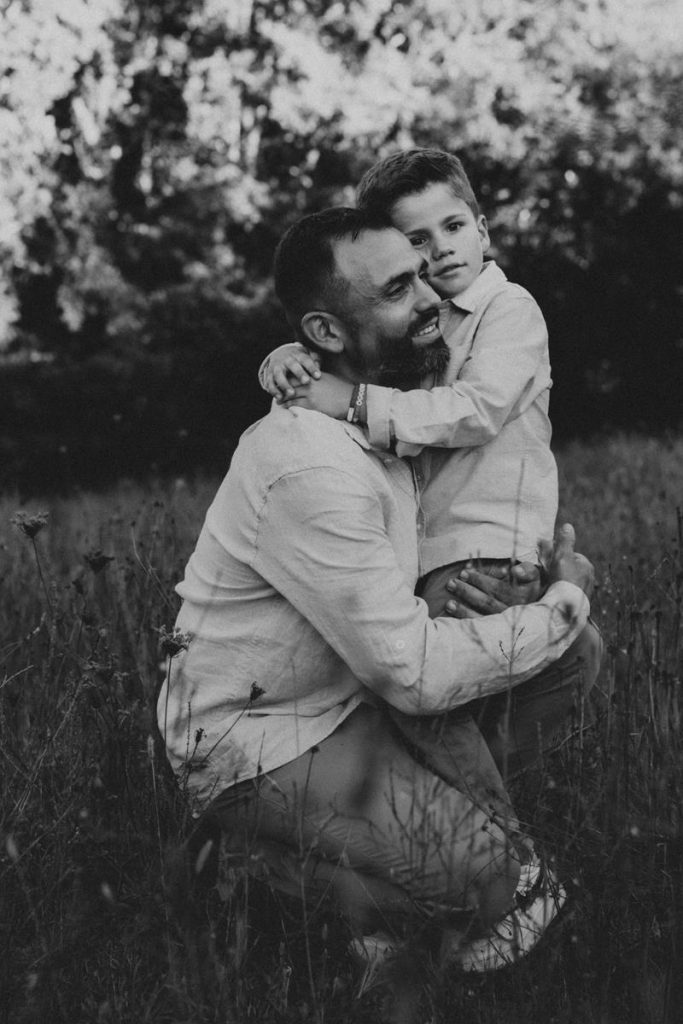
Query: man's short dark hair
point(409, 172)
point(306, 277)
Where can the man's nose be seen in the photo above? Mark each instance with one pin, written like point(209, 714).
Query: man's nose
point(425, 295)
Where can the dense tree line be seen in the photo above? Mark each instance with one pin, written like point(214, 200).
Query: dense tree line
point(152, 152)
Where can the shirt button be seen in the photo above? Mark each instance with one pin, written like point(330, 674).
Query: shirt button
point(400, 645)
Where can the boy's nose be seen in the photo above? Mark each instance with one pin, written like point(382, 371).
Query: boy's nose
point(441, 247)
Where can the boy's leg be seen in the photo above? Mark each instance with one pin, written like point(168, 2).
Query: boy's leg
point(526, 722)
point(359, 819)
point(483, 744)
point(452, 744)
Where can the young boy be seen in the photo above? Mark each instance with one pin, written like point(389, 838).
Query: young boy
point(487, 477)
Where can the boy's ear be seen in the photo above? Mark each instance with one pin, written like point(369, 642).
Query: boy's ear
point(483, 229)
point(325, 330)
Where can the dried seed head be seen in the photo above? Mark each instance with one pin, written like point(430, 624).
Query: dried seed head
point(255, 692)
point(29, 523)
point(97, 561)
point(173, 642)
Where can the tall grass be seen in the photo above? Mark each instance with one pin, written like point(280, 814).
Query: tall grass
point(93, 924)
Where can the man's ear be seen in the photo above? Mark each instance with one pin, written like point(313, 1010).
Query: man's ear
point(325, 330)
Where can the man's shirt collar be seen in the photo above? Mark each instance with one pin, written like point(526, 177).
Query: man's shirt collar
point(358, 435)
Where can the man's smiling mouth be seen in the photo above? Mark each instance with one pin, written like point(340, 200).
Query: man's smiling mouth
point(427, 331)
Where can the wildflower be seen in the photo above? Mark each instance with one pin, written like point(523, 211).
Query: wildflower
point(97, 560)
point(107, 892)
point(11, 847)
point(173, 642)
point(30, 524)
point(255, 693)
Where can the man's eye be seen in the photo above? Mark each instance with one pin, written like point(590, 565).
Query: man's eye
point(397, 290)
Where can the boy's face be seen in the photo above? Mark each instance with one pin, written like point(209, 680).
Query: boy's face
point(444, 230)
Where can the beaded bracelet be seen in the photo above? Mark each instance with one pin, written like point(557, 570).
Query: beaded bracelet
point(357, 399)
point(351, 411)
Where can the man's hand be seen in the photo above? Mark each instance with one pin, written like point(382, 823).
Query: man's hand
point(563, 563)
point(328, 394)
point(287, 368)
point(478, 593)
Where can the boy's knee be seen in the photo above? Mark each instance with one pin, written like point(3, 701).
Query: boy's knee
point(588, 652)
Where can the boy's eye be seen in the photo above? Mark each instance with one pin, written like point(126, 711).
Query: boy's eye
point(417, 241)
point(454, 225)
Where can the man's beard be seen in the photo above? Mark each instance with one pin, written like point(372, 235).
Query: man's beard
point(404, 365)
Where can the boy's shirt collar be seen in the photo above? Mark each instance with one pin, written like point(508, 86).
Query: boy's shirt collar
point(490, 278)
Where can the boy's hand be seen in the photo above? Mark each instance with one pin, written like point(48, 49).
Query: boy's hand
point(478, 593)
point(288, 367)
point(563, 563)
point(328, 394)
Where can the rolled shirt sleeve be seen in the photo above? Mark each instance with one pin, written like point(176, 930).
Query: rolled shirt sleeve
point(323, 544)
point(505, 371)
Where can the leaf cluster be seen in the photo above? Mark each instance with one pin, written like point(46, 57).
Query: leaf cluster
point(153, 153)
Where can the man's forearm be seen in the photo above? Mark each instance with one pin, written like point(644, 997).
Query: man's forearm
point(340, 571)
point(471, 658)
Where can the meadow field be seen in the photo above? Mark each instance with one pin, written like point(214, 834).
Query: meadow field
point(93, 929)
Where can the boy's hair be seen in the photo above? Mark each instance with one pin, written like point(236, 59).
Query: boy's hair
point(304, 269)
point(411, 171)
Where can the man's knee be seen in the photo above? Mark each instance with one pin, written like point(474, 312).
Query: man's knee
point(487, 873)
point(497, 881)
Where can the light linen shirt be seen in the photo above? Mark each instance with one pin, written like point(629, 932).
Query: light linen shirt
point(488, 479)
point(299, 597)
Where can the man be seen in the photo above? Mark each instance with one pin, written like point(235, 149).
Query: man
point(305, 629)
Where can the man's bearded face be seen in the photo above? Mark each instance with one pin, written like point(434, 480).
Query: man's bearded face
point(390, 312)
point(401, 363)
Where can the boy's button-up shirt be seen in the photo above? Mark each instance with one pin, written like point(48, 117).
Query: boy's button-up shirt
point(490, 478)
point(299, 597)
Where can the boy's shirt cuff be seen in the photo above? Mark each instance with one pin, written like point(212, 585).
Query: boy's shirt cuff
point(378, 401)
point(378, 414)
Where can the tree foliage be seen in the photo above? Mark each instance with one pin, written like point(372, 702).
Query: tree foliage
point(152, 152)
